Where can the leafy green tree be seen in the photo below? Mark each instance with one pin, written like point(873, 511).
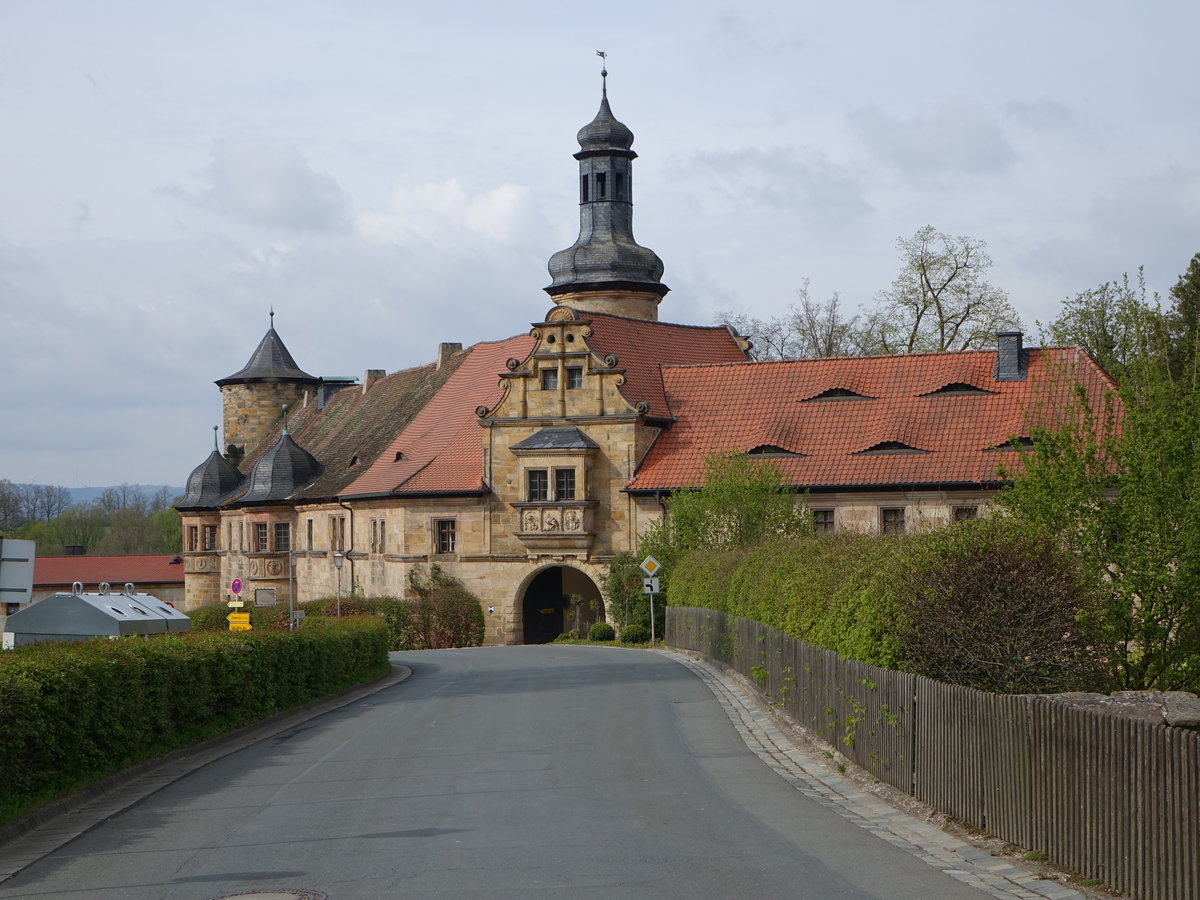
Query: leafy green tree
point(622, 586)
point(1183, 322)
point(1126, 500)
point(941, 300)
point(1116, 323)
point(741, 502)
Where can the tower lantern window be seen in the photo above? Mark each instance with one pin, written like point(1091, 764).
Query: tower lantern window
point(583, 188)
point(601, 185)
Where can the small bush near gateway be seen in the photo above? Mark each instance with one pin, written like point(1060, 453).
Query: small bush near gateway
point(635, 634)
point(601, 631)
point(73, 713)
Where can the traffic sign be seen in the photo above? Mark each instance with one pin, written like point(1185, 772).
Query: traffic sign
point(238, 618)
point(650, 586)
point(236, 587)
point(650, 565)
point(238, 626)
point(236, 604)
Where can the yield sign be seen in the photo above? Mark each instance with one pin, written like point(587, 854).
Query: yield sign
point(650, 565)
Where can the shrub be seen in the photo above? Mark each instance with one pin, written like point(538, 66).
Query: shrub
point(601, 631)
point(996, 605)
point(634, 634)
point(71, 713)
point(396, 613)
point(445, 613)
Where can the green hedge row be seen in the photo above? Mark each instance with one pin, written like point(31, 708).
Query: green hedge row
point(990, 604)
point(72, 713)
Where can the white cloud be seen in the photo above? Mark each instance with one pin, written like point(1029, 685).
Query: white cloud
point(442, 212)
point(805, 184)
point(268, 186)
point(955, 138)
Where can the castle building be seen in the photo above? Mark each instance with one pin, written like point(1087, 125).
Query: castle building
point(524, 465)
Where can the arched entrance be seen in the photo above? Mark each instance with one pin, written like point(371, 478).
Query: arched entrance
point(547, 609)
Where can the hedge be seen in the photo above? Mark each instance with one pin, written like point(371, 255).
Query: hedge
point(72, 713)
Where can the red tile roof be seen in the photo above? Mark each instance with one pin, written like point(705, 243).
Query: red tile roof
point(63, 571)
point(442, 447)
point(642, 348)
point(724, 408)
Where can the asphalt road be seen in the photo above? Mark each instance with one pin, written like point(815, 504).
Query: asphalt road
point(494, 772)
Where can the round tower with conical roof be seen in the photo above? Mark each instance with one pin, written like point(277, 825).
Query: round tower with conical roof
point(606, 270)
point(253, 395)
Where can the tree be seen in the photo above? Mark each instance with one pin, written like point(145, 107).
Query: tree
point(941, 300)
point(1116, 323)
point(12, 506)
point(622, 585)
point(742, 502)
point(809, 329)
point(1126, 501)
point(1183, 322)
point(44, 501)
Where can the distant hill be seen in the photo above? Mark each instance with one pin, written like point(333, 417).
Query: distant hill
point(85, 495)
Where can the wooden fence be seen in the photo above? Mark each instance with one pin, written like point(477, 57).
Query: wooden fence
point(1107, 796)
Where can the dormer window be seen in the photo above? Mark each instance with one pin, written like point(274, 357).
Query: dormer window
point(549, 379)
point(892, 447)
point(839, 394)
point(399, 456)
point(1016, 443)
point(958, 389)
point(574, 377)
point(771, 450)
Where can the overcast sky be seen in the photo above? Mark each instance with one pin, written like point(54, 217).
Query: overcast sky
point(389, 175)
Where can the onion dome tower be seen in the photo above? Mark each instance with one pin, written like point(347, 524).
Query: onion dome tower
point(281, 471)
point(252, 395)
point(606, 270)
point(211, 481)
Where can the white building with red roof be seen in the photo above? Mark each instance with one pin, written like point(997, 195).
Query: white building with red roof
point(524, 465)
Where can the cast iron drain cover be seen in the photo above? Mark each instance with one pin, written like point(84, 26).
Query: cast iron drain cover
point(298, 894)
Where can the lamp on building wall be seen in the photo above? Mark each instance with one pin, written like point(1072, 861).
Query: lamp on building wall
point(338, 559)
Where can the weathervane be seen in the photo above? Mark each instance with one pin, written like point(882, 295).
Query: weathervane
point(603, 72)
point(272, 307)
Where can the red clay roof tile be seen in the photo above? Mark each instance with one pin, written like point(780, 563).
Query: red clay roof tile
point(442, 447)
point(63, 571)
point(723, 409)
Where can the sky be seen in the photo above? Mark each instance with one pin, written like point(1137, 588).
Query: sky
point(390, 175)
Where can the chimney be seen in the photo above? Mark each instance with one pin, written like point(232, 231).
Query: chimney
point(1010, 357)
point(445, 351)
point(371, 376)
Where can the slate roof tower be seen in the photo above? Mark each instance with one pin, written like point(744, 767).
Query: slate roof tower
point(606, 270)
point(253, 395)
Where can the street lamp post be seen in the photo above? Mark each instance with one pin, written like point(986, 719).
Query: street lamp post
point(338, 559)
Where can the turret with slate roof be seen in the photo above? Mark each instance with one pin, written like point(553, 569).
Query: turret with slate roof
point(211, 481)
point(253, 395)
point(281, 470)
point(606, 270)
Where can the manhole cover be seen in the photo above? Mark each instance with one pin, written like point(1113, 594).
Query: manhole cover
point(297, 894)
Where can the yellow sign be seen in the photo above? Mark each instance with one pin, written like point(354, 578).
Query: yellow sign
point(238, 618)
point(236, 604)
point(239, 626)
point(650, 565)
